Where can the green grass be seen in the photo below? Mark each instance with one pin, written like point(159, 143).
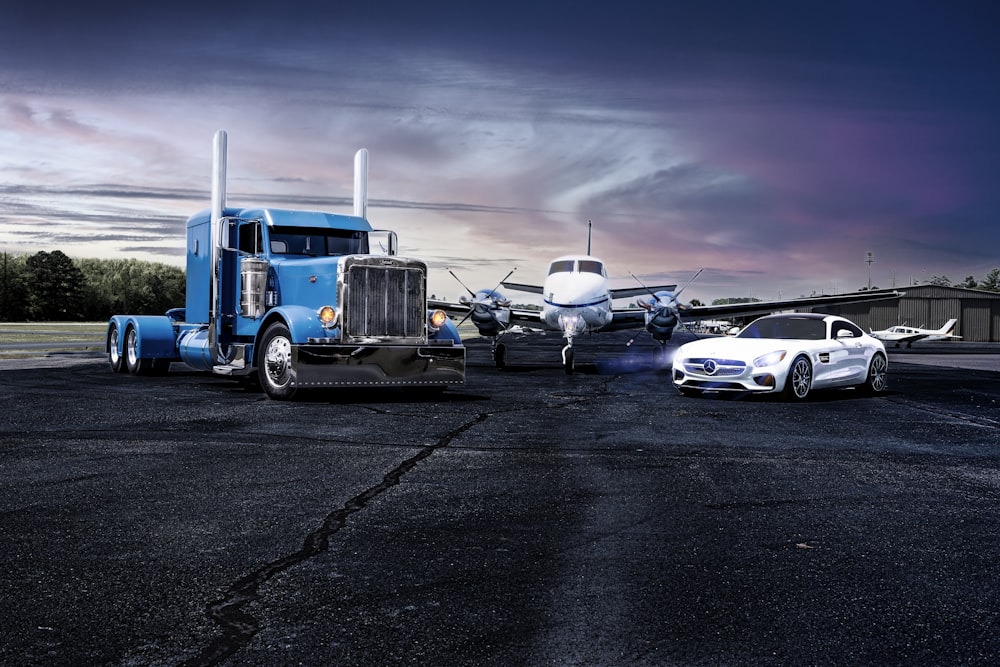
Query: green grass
point(54, 334)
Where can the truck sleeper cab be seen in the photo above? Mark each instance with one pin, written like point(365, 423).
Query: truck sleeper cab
point(295, 310)
point(297, 299)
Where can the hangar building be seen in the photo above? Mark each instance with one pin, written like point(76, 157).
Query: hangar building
point(930, 306)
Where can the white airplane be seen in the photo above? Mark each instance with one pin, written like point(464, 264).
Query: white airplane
point(578, 299)
point(910, 335)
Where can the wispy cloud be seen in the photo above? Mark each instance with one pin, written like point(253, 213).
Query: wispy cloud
point(773, 144)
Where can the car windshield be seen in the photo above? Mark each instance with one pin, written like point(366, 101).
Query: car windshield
point(315, 242)
point(787, 328)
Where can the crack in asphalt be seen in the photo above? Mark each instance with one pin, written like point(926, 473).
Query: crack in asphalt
point(238, 626)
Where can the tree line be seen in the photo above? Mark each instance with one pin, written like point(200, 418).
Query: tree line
point(50, 286)
point(990, 283)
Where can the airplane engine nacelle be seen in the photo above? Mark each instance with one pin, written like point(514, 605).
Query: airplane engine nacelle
point(662, 317)
point(490, 312)
point(661, 328)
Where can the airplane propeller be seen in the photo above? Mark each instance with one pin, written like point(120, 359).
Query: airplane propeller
point(663, 312)
point(489, 311)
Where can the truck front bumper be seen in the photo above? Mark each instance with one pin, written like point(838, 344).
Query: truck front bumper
point(378, 365)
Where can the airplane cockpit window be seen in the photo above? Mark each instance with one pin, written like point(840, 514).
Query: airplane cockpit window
point(591, 266)
point(561, 266)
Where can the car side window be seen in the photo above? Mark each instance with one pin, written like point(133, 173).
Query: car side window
point(839, 328)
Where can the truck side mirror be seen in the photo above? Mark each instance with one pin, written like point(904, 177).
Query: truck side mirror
point(226, 236)
point(382, 242)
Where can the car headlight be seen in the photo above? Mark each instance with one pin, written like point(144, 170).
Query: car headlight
point(769, 359)
point(437, 319)
point(327, 316)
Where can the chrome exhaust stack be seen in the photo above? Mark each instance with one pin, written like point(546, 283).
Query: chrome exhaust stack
point(219, 148)
point(361, 183)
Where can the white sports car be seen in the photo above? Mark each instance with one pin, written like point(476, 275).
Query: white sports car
point(790, 353)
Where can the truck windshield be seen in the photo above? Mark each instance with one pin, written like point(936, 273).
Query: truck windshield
point(315, 242)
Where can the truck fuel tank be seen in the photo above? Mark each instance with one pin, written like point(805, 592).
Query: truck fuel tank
point(253, 281)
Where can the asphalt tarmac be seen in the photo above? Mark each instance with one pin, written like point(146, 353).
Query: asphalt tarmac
point(528, 518)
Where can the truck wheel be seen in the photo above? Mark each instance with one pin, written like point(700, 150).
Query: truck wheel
point(135, 365)
point(274, 368)
point(115, 358)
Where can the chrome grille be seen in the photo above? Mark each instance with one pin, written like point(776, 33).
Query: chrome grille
point(723, 367)
point(385, 300)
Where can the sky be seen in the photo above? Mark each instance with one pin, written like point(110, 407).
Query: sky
point(773, 144)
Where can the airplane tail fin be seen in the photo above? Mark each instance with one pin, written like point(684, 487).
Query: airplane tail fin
point(948, 327)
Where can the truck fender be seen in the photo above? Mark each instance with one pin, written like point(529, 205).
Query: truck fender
point(302, 322)
point(447, 332)
point(156, 336)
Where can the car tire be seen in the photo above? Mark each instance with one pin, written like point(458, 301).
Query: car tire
point(877, 378)
point(798, 384)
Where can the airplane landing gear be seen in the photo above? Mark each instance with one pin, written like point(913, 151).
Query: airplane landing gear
point(500, 355)
point(567, 355)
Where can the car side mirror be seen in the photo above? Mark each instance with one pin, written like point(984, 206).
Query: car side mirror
point(845, 333)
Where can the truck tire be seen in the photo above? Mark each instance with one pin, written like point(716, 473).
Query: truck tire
point(115, 358)
point(274, 366)
point(135, 365)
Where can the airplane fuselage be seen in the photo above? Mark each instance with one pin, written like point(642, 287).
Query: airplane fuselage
point(909, 335)
point(576, 296)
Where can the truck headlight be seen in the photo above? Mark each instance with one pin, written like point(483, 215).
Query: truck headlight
point(437, 319)
point(327, 316)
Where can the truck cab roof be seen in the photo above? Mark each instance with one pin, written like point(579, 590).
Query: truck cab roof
point(277, 217)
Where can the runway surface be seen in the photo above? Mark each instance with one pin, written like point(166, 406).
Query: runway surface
point(528, 518)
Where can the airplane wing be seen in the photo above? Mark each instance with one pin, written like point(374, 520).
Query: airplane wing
point(897, 338)
point(523, 317)
point(723, 311)
point(633, 318)
point(620, 293)
point(532, 289)
point(627, 292)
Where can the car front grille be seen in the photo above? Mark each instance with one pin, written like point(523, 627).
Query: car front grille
point(722, 367)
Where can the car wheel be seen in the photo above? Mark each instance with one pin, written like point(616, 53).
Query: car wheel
point(878, 376)
point(799, 381)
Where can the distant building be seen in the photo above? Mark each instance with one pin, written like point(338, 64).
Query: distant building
point(930, 306)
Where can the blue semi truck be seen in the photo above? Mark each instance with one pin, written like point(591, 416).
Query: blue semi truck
point(296, 300)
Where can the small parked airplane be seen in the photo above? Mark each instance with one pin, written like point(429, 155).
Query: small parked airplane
point(577, 299)
point(910, 335)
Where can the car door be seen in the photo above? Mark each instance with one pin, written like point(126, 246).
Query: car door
point(847, 364)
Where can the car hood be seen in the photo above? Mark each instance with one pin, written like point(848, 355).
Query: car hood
point(736, 348)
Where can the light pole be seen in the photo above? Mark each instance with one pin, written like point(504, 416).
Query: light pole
point(869, 258)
